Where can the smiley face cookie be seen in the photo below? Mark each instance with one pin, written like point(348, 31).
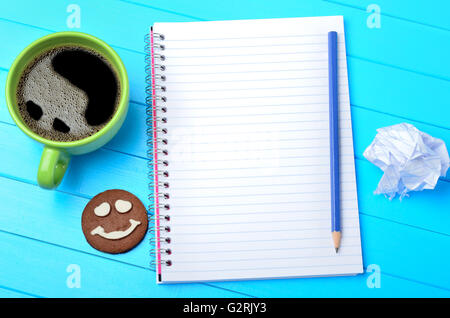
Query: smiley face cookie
point(114, 221)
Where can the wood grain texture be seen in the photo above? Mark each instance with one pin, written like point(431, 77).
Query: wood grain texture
point(396, 74)
point(43, 269)
point(10, 293)
point(421, 12)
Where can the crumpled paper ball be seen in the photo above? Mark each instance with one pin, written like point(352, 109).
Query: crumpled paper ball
point(411, 160)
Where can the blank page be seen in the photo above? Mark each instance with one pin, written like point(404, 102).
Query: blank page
point(248, 151)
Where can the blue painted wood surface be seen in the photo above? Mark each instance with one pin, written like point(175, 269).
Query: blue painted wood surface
point(397, 73)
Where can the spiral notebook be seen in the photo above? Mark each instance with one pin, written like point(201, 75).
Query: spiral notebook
point(239, 148)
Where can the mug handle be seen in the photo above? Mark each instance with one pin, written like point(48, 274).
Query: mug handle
point(52, 167)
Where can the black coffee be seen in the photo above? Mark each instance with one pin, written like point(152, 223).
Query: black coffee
point(68, 93)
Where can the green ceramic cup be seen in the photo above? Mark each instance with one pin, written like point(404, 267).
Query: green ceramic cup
point(56, 154)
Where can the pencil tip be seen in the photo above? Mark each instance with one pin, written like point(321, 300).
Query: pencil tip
point(336, 249)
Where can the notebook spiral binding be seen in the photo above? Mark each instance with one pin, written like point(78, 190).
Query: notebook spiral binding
point(155, 110)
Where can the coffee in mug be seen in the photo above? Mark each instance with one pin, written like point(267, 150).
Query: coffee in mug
point(68, 93)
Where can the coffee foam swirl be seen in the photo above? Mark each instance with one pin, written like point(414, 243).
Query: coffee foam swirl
point(57, 97)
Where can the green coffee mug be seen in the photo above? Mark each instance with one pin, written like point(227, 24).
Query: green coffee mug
point(56, 155)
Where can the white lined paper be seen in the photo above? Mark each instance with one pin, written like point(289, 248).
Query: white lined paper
point(248, 151)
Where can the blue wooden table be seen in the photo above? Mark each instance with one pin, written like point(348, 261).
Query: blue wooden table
point(399, 71)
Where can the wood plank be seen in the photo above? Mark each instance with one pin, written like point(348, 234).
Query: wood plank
point(400, 93)
point(418, 212)
point(427, 209)
point(392, 44)
point(131, 140)
point(47, 214)
point(398, 250)
point(49, 210)
point(405, 251)
point(113, 170)
point(350, 286)
point(87, 175)
point(4, 114)
point(8, 293)
point(372, 85)
point(33, 266)
point(384, 96)
point(426, 202)
point(424, 12)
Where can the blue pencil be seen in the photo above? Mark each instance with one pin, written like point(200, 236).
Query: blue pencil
point(334, 139)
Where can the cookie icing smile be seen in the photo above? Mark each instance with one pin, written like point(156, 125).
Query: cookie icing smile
point(114, 221)
point(115, 235)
